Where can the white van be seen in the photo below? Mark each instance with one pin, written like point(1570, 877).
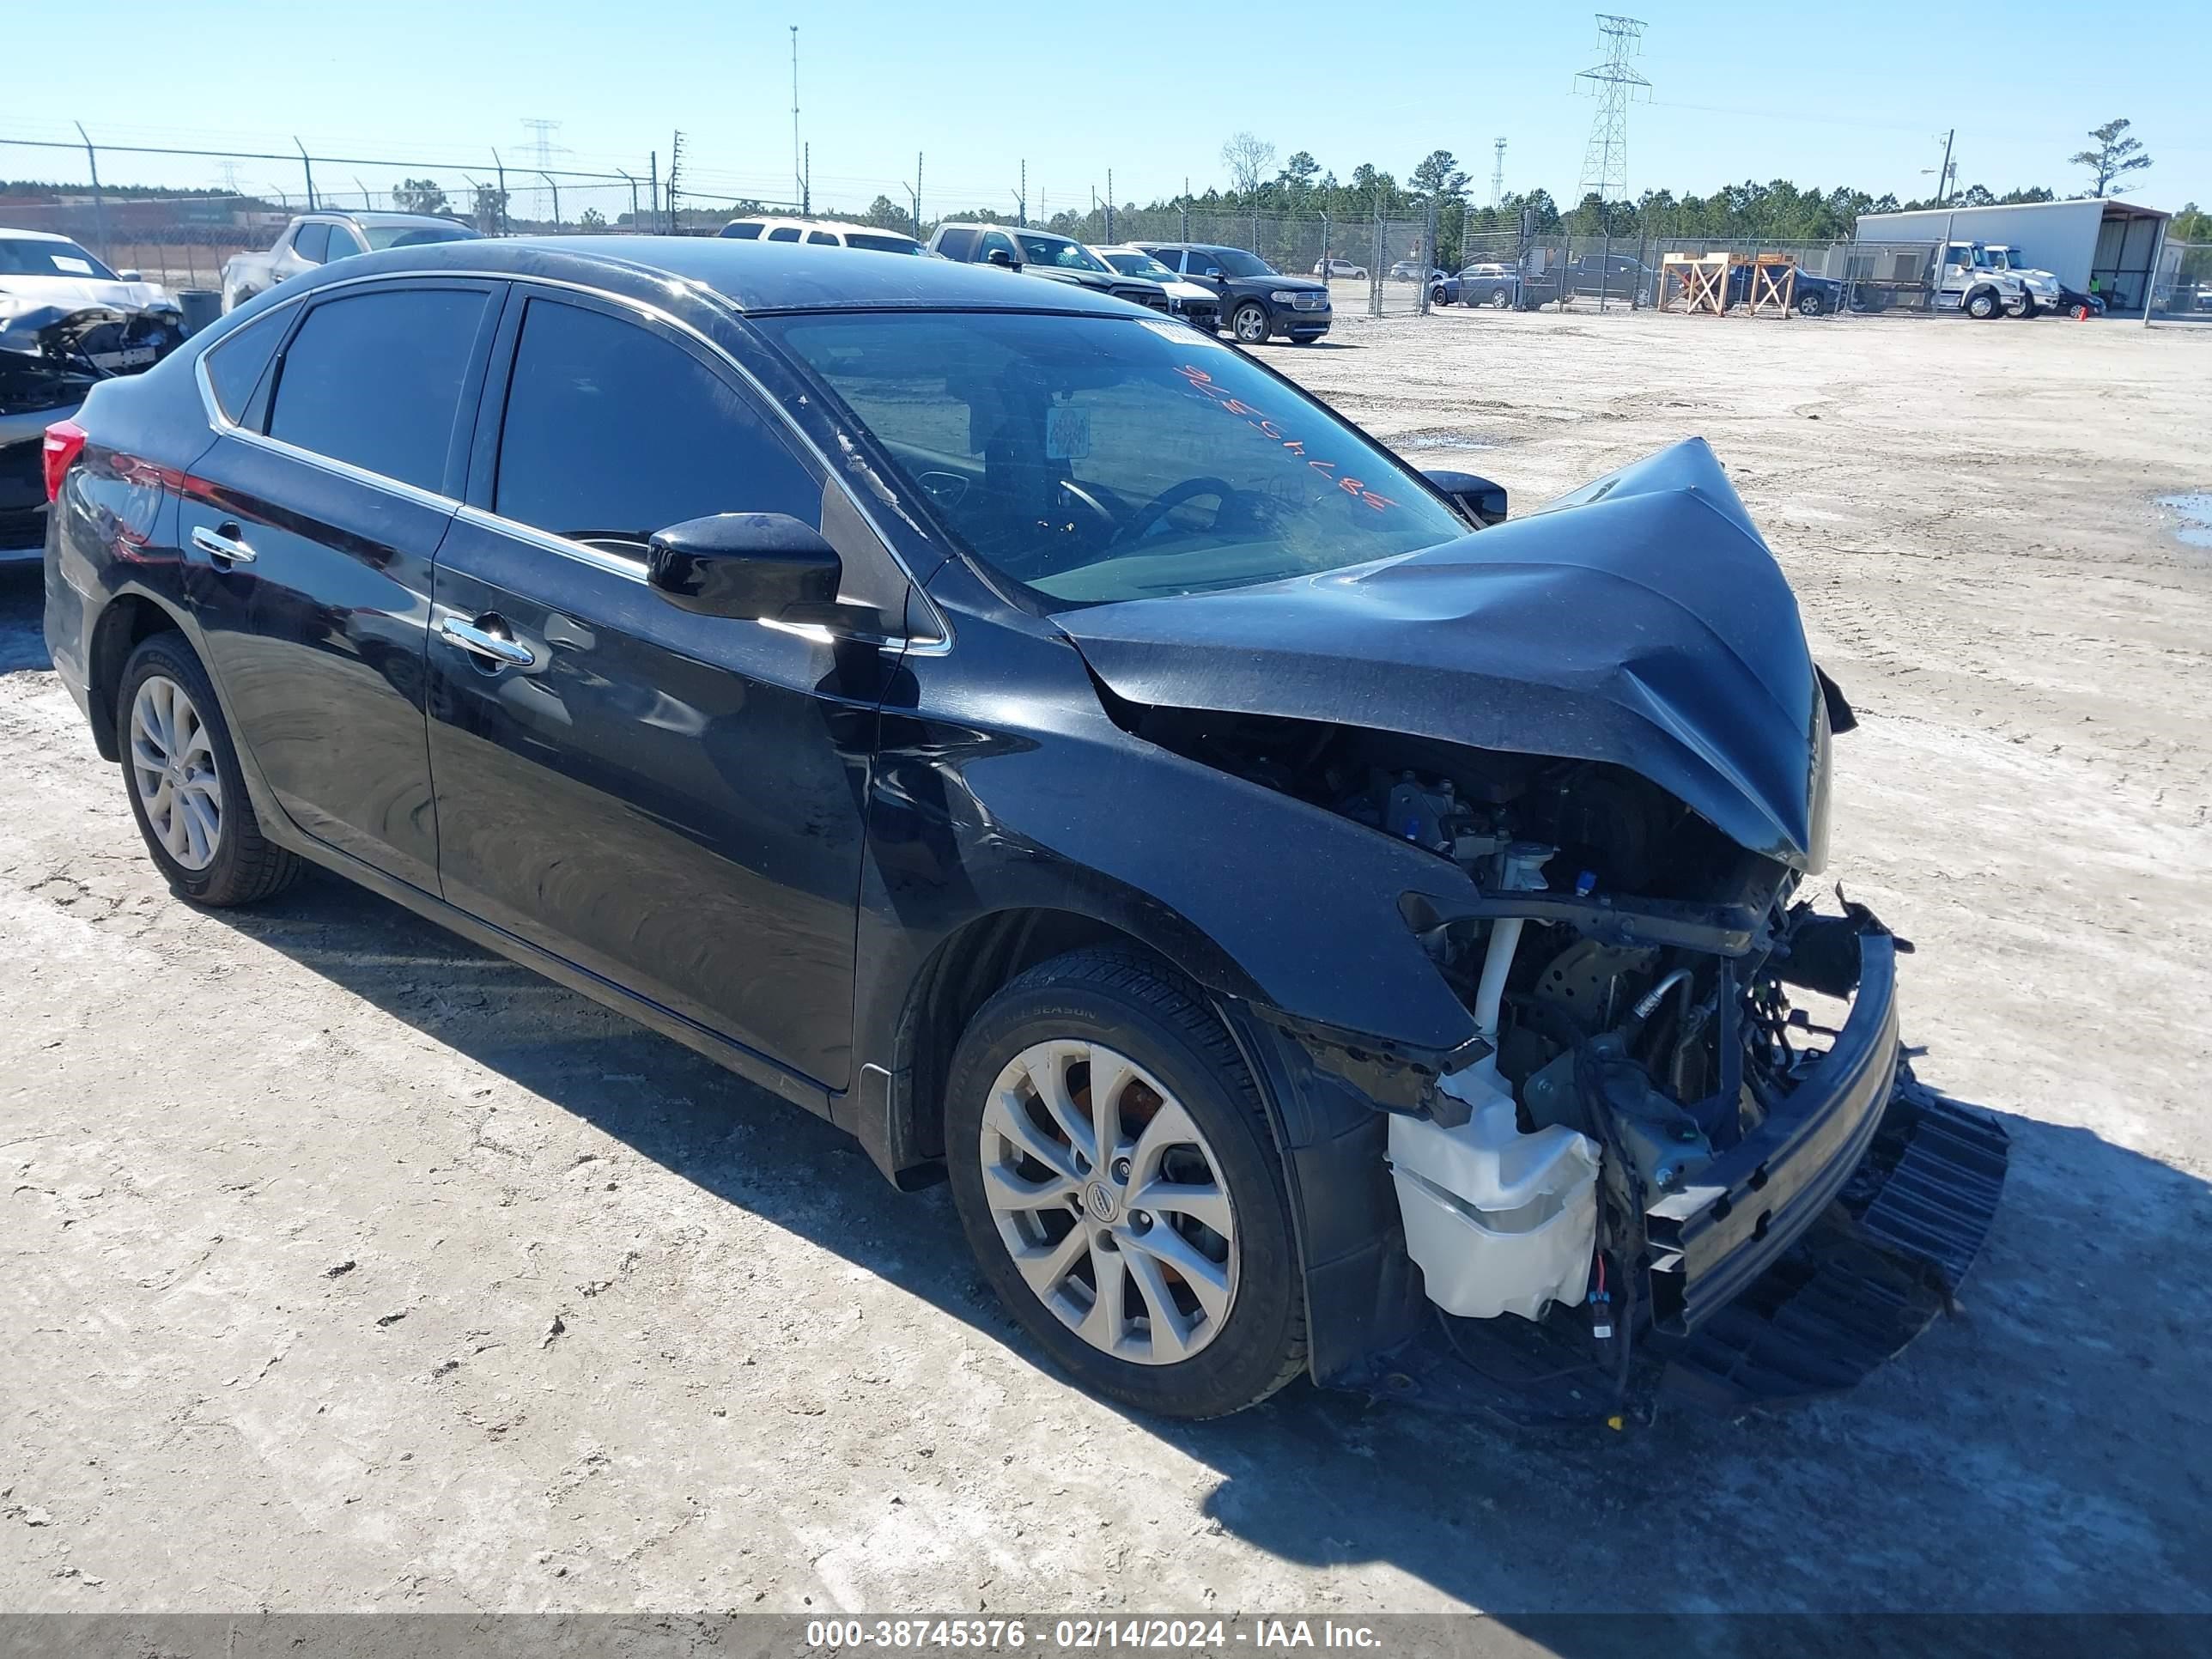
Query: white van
point(823, 233)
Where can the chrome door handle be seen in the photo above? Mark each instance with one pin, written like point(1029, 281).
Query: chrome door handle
point(483, 643)
point(226, 548)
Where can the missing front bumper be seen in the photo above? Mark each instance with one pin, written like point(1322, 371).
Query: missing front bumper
point(1871, 1272)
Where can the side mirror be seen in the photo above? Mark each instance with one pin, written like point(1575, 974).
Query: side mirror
point(129, 276)
point(1000, 257)
point(1215, 273)
point(745, 566)
point(1479, 502)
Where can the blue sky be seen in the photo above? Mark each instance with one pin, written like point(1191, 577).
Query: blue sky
point(1821, 95)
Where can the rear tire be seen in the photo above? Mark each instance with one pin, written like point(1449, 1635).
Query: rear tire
point(181, 772)
point(1228, 1328)
point(1500, 299)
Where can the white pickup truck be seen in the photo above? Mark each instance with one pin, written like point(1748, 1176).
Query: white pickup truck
point(316, 239)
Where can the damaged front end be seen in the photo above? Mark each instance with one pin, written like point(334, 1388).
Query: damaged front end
point(50, 357)
point(1680, 1142)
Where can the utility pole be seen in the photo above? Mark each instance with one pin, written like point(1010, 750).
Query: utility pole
point(806, 182)
point(1497, 173)
point(1943, 177)
point(1021, 198)
point(675, 171)
point(798, 156)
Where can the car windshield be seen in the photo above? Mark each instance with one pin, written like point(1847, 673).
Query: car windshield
point(1235, 262)
point(1133, 264)
point(383, 236)
point(1090, 458)
point(25, 256)
point(882, 244)
point(1052, 251)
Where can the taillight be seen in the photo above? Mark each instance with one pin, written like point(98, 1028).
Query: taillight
point(64, 443)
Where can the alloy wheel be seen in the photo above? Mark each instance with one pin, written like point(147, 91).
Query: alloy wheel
point(172, 768)
point(1251, 324)
point(1110, 1201)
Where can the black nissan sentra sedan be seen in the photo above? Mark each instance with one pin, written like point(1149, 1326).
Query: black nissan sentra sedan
point(1315, 925)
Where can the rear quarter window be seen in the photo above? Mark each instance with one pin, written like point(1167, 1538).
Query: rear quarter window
point(236, 362)
point(957, 245)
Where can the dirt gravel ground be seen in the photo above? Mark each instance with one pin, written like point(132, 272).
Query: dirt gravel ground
point(349, 1268)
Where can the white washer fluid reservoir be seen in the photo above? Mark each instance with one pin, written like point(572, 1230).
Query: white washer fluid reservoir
point(1499, 1221)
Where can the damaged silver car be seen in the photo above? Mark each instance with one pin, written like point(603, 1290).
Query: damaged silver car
point(67, 322)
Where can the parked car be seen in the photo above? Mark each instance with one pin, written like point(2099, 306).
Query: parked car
point(1294, 903)
point(1260, 303)
point(1196, 303)
point(1490, 284)
point(1338, 270)
point(316, 239)
point(1043, 253)
point(821, 233)
point(1810, 294)
point(67, 321)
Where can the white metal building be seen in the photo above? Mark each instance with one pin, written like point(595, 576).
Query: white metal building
point(2113, 240)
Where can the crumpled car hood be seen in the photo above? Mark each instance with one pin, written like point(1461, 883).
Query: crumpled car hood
point(1640, 620)
point(75, 292)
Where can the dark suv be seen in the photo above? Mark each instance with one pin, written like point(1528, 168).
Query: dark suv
point(1258, 301)
point(1040, 740)
point(1042, 253)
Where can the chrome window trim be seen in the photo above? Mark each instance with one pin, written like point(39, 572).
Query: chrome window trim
point(924, 645)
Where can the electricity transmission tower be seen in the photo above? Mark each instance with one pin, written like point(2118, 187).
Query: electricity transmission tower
point(542, 150)
point(1605, 163)
point(1497, 174)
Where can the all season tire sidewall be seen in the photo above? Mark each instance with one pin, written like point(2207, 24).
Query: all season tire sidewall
point(1245, 1361)
point(169, 656)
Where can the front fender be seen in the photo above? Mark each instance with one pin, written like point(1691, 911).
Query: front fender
point(997, 802)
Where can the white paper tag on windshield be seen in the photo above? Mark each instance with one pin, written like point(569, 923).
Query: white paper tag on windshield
point(1066, 433)
point(1183, 334)
point(75, 267)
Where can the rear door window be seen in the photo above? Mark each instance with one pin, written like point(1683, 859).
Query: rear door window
point(613, 432)
point(374, 379)
point(957, 245)
point(312, 243)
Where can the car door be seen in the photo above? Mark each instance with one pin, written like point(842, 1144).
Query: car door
point(670, 801)
point(308, 528)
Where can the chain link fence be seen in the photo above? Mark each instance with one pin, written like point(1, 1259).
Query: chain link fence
point(1374, 266)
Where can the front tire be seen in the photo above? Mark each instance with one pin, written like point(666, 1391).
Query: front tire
point(1250, 324)
point(1114, 1172)
point(1984, 304)
point(1439, 296)
point(1811, 305)
point(181, 772)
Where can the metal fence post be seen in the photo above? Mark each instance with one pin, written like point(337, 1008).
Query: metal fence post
point(1428, 260)
point(502, 167)
point(1375, 272)
point(99, 202)
point(1326, 273)
point(548, 178)
point(308, 168)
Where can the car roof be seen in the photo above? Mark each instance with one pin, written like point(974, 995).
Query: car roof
point(380, 216)
point(844, 227)
point(757, 276)
point(33, 235)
